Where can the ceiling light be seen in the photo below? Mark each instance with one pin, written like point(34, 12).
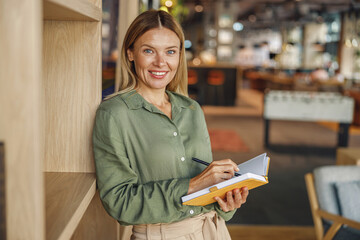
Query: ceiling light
point(168, 3)
point(348, 43)
point(196, 61)
point(238, 26)
point(355, 43)
point(187, 44)
point(334, 26)
point(252, 18)
point(212, 32)
point(212, 43)
point(199, 8)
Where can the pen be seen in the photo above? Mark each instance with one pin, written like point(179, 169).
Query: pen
point(207, 164)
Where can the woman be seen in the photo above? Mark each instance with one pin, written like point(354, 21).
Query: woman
point(145, 136)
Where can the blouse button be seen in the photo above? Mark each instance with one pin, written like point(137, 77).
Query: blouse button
point(191, 211)
point(175, 134)
point(182, 159)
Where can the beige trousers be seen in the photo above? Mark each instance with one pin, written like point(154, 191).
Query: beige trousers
point(208, 226)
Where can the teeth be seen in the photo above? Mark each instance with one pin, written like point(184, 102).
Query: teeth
point(158, 73)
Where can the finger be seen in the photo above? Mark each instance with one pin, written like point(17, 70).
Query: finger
point(217, 169)
point(223, 165)
point(230, 200)
point(228, 168)
point(224, 176)
point(238, 198)
point(220, 177)
point(218, 173)
point(223, 161)
point(227, 162)
point(244, 194)
point(222, 204)
point(215, 178)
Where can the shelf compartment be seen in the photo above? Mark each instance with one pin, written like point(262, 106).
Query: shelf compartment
point(68, 10)
point(67, 196)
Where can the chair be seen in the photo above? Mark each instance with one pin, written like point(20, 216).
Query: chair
point(192, 77)
point(215, 90)
point(193, 87)
point(216, 77)
point(334, 195)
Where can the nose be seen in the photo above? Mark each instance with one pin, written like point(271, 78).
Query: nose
point(159, 60)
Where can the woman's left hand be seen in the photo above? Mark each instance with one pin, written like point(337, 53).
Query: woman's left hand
point(233, 199)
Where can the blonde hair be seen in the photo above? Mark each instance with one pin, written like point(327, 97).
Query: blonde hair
point(144, 22)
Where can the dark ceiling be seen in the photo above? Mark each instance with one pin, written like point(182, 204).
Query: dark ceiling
point(269, 13)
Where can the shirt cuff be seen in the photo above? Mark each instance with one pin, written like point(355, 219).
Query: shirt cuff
point(183, 188)
point(225, 215)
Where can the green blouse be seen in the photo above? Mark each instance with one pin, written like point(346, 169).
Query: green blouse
point(143, 158)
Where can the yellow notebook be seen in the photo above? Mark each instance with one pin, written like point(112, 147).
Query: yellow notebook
point(253, 173)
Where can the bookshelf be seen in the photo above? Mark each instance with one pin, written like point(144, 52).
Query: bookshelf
point(67, 197)
point(79, 10)
point(50, 87)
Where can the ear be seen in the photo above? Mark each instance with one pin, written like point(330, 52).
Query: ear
point(130, 55)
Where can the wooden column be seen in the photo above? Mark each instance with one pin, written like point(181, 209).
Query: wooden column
point(128, 11)
point(20, 117)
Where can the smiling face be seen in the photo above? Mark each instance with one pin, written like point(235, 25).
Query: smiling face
point(156, 56)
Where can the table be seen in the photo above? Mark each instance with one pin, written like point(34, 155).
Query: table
point(355, 94)
point(309, 106)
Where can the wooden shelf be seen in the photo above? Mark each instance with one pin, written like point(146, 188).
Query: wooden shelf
point(67, 10)
point(67, 197)
point(58, 43)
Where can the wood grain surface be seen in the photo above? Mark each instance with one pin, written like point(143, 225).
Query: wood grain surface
point(67, 197)
point(80, 10)
point(97, 223)
point(72, 85)
point(20, 87)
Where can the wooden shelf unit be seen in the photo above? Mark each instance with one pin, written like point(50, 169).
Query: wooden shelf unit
point(50, 87)
point(67, 196)
point(64, 10)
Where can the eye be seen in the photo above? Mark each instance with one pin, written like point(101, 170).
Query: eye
point(171, 52)
point(148, 51)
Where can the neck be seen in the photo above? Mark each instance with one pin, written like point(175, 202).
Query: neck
point(156, 97)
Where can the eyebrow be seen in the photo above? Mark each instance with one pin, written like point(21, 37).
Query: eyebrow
point(146, 45)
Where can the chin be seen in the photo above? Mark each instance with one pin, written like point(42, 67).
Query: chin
point(159, 85)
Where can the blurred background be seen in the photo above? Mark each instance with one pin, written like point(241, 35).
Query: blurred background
point(274, 76)
point(287, 38)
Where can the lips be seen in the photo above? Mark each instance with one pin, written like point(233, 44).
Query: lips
point(158, 74)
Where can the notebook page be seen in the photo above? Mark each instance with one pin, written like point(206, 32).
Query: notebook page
point(256, 165)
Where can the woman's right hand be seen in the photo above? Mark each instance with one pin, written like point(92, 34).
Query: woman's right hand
point(216, 172)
